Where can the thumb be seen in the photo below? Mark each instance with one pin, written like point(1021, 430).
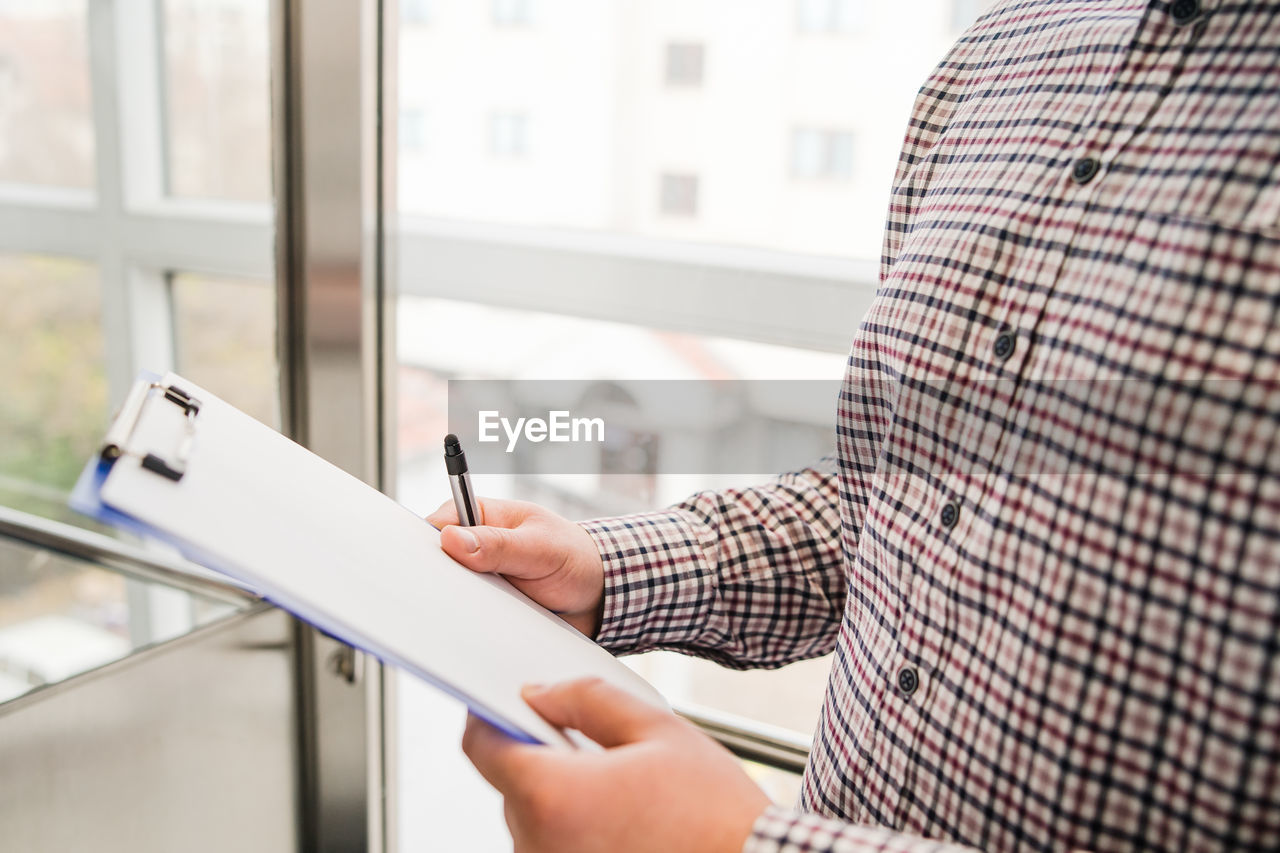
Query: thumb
point(492, 549)
point(608, 715)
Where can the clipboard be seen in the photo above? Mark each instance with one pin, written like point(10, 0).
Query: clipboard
point(183, 466)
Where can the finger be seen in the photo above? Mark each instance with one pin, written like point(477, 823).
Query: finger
point(608, 715)
point(444, 514)
point(522, 552)
point(505, 763)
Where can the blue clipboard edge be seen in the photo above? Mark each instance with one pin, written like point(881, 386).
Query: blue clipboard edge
point(86, 499)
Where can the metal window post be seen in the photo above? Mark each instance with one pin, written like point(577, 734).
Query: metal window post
point(332, 202)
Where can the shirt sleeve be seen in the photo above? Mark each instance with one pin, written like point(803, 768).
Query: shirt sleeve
point(779, 830)
point(749, 578)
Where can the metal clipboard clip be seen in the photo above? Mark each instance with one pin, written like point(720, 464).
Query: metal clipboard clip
point(115, 445)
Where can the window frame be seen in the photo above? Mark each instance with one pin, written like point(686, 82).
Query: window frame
point(136, 235)
point(126, 225)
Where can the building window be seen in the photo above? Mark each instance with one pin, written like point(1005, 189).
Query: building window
point(415, 11)
point(678, 195)
point(509, 135)
point(828, 16)
point(825, 155)
point(413, 130)
point(684, 65)
point(512, 13)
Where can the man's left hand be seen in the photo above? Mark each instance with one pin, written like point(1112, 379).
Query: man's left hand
point(659, 784)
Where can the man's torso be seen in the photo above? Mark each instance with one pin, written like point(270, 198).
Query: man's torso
point(1058, 445)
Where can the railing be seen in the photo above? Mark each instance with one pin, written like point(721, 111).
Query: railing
point(754, 741)
point(114, 554)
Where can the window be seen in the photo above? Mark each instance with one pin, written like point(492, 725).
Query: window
point(508, 135)
point(605, 124)
point(828, 16)
point(443, 339)
point(567, 265)
point(185, 280)
point(512, 13)
point(684, 64)
point(678, 195)
point(821, 154)
point(654, 235)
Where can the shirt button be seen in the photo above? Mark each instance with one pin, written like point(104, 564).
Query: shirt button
point(1004, 345)
point(1184, 11)
point(1084, 170)
point(950, 515)
point(908, 680)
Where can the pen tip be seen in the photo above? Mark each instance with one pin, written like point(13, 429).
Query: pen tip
point(451, 444)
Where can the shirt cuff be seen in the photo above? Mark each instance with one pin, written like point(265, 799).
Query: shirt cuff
point(780, 830)
point(658, 587)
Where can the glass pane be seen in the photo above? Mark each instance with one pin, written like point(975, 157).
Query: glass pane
point(675, 129)
point(446, 805)
point(443, 802)
point(60, 617)
point(53, 389)
point(441, 340)
point(620, 106)
point(46, 130)
point(225, 332)
point(217, 99)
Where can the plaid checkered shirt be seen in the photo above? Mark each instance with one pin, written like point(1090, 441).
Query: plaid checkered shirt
point(1046, 551)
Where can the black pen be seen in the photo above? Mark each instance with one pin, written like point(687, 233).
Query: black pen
point(464, 498)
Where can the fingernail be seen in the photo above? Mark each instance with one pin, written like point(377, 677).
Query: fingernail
point(469, 540)
point(533, 689)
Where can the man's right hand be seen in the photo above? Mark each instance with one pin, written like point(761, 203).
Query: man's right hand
point(547, 557)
